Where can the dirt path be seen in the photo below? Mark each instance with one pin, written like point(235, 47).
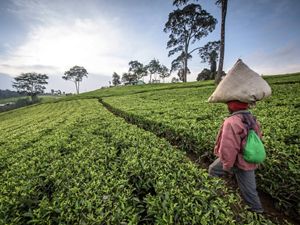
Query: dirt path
point(271, 212)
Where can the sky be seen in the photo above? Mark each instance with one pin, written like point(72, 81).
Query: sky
point(103, 36)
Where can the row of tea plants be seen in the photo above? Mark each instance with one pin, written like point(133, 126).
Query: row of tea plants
point(74, 162)
point(184, 117)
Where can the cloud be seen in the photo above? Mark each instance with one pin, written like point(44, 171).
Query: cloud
point(66, 33)
point(28, 68)
point(83, 42)
point(62, 35)
point(284, 59)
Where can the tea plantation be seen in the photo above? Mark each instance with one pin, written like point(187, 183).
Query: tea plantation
point(74, 162)
point(184, 117)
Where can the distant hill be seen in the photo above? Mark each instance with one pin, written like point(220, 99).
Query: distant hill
point(5, 81)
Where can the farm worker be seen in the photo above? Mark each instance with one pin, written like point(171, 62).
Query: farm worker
point(230, 141)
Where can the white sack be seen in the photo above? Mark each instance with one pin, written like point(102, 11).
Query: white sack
point(242, 84)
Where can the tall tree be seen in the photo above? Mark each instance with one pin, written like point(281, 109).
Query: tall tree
point(186, 26)
point(178, 63)
point(181, 75)
point(138, 69)
point(209, 53)
point(204, 75)
point(129, 78)
point(75, 74)
point(164, 72)
point(153, 67)
point(31, 84)
point(223, 4)
point(116, 79)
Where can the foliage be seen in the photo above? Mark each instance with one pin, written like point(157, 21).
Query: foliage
point(8, 94)
point(11, 99)
point(180, 74)
point(116, 79)
point(205, 74)
point(164, 72)
point(223, 5)
point(138, 69)
point(75, 74)
point(174, 80)
point(186, 26)
point(17, 103)
point(129, 78)
point(178, 63)
point(154, 68)
point(209, 53)
point(192, 125)
point(121, 91)
point(31, 84)
point(180, 2)
point(73, 162)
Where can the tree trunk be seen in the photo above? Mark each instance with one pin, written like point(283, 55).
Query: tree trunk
point(222, 44)
point(185, 70)
point(77, 87)
point(185, 59)
point(34, 97)
point(150, 78)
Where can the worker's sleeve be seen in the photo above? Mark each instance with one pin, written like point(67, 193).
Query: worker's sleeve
point(218, 139)
point(230, 144)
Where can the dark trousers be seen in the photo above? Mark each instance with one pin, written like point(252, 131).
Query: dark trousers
point(246, 182)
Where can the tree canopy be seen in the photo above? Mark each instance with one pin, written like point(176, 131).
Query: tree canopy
point(223, 5)
point(156, 68)
point(129, 78)
point(164, 72)
point(204, 75)
point(209, 53)
point(31, 84)
point(75, 74)
point(138, 69)
point(186, 26)
point(153, 68)
point(116, 79)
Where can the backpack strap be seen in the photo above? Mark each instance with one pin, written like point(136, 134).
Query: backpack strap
point(240, 112)
point(248, 120)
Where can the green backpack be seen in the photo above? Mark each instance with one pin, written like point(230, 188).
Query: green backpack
point(254, 150)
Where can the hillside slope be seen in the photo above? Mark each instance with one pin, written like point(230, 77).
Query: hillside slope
point(72, 161)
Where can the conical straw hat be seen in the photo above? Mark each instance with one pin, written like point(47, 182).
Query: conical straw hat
point(242, 84)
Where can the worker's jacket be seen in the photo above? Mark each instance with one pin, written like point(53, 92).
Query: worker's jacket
point(231, 141)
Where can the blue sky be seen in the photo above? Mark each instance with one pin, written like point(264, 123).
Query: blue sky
point(103, 36)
